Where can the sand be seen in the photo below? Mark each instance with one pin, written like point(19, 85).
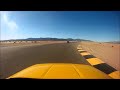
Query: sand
point(107, 52)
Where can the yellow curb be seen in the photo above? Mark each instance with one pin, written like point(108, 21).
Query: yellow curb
point(94, 61)
point(85, 53)
point(81, 50)
point(115, 75)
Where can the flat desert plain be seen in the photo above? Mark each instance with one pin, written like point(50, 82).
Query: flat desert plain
point(107, 52)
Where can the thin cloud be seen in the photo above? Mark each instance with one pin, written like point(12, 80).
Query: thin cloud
point(11, 24)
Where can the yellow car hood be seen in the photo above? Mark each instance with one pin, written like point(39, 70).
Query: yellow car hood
point(61, 71)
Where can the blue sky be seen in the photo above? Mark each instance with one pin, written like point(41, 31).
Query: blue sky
point(90, 25)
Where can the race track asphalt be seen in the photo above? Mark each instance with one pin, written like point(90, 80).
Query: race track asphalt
point(16, 58)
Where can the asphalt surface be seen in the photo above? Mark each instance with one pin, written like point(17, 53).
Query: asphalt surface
point(13, 58)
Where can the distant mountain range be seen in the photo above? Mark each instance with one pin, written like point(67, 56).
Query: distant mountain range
point(47, 39)
point(115, 42)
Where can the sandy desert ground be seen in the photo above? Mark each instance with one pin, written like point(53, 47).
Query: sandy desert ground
point(107, 52)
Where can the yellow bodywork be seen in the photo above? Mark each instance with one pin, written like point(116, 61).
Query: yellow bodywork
point(61, 71)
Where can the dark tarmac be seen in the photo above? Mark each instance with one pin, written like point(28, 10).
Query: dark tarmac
point(16, 58)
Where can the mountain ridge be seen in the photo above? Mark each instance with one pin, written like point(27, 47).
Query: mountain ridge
point(47, 39)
